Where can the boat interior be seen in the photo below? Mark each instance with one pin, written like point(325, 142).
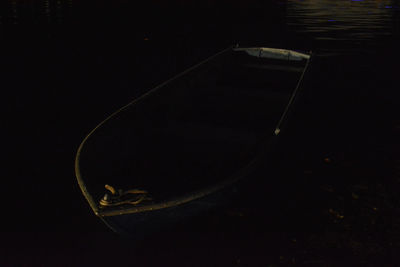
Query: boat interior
point(194, 131)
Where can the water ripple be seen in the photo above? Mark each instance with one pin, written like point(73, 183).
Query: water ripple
point(328, 21)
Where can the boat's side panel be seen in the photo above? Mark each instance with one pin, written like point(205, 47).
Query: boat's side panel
point(140, 225)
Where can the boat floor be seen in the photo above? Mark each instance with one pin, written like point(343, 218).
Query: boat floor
point(200, 146)
point(176, 142)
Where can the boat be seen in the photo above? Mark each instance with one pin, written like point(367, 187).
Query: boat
point(180, 149)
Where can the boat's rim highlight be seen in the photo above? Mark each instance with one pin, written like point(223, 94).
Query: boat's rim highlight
point(186, 198)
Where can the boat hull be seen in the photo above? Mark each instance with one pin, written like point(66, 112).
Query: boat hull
point(191, 141)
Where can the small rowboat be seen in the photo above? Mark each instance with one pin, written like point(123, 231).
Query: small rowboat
point(180, 149)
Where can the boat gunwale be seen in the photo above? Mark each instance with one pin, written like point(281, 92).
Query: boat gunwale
point(193, 195)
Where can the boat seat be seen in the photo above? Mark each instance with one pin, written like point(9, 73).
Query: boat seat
point(256, 75)
point(283, 68)
point(267, 94)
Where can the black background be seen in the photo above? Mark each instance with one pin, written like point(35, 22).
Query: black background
point(68, 64)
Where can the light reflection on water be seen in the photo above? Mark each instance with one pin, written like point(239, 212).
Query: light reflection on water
point(332, 26)
point(33, 12)
point(343, 25)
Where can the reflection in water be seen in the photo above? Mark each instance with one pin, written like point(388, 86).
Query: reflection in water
point(340, 25)
point(28, 12)
point(334, 26)
point(46, 8)
point(13, 11)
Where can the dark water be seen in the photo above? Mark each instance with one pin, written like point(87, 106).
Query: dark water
point(67, 64)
